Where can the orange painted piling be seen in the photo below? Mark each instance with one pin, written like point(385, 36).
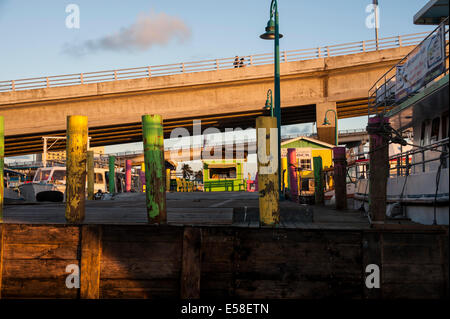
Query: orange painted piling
point(128, 175)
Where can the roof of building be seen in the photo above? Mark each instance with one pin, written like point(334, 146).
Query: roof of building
point(432, 13)
point(309, 140)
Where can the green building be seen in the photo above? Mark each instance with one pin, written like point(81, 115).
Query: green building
point(223, 175)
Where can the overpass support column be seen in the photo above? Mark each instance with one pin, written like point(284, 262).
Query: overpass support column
point(293, 178)
point(76, 149)
point(340, 176)
point(326, 132)
point(267, 156)
point(379, 167)
point(155, 189)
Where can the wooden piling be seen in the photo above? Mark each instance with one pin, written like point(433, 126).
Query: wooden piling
point(153, 139)
point(293, 176)
point(191, 263)
point(269, 211)
point(142, 176)
point(112, 174)
point(318, 180)
point(285, 172)
point(76, 148)
point(90, 174)
point(379, 167)
point(340, 177)
point(167, 179)
point(2, 155)
point(91, 251)
point(128, 175)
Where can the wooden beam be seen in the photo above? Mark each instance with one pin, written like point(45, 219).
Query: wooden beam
point(191, 263)
point(372, 246)
point(91, 251)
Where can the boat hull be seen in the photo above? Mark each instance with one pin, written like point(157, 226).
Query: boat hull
point(419, 199)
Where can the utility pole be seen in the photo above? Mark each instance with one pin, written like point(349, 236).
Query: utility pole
point(375, 7)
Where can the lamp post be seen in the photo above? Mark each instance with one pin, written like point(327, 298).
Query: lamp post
point(326, 122)
point(272, 33)
point(269, 104)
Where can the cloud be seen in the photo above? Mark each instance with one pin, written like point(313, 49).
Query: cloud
point(148, 30)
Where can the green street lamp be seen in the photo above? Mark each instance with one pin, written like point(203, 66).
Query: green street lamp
point(272, 33)
point(326, 122)
point(269, 104)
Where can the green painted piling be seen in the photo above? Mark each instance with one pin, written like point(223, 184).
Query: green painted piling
point(153, 140)
point(76, 148)
point(318, 180)
point(90, 174)
point(2, 155)
point(112, 175)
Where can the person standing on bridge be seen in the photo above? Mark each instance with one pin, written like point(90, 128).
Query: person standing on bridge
point(242, 63)
point(236, 62)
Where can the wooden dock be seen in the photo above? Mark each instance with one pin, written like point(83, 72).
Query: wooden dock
point(120, 256)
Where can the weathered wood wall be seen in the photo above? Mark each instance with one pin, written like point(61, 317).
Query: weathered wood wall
point(145, 261)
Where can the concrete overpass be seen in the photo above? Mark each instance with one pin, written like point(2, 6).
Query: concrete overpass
point(221, 97)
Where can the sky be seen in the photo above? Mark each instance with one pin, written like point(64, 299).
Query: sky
point(35, 39)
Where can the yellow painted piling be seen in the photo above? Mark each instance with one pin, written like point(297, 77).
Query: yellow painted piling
point(285, 172)
point(76, 148)
point(167, 179)
point(90, 175)
point(143, 179)
point(269, 211)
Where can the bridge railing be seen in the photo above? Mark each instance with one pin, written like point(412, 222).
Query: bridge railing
point(211, 64)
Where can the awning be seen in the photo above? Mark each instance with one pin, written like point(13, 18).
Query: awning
point(432, 13)
point(224, 165)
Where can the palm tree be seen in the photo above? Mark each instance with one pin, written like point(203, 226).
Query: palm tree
point(199, 175)
point(187, 171)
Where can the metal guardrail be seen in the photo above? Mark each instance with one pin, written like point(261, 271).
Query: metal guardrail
point(210, 65)
point(382, 95)
point(404, 160)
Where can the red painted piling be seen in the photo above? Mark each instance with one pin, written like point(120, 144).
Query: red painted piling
point(340, 173)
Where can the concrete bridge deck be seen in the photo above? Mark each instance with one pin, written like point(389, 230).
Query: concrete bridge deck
point(227, 98)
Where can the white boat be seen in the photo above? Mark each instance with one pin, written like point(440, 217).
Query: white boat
point(418, 185)
point(54, 179)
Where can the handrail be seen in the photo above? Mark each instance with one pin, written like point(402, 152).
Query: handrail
point(382, 95)
point(210, 64)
